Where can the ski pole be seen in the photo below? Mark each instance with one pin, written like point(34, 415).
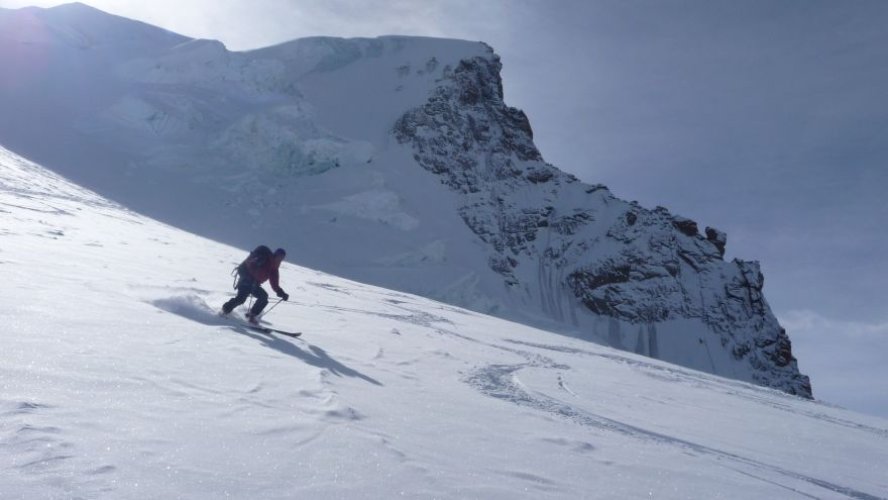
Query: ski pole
point(270, 308)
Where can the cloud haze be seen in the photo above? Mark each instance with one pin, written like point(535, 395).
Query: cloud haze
point(849, 355)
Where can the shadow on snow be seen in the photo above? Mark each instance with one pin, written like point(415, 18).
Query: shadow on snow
point(314, 356)
point(195, 309)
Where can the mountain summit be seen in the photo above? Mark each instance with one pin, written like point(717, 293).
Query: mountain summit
point(393, 161)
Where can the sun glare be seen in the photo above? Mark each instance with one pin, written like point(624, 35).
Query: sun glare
point(26, 58)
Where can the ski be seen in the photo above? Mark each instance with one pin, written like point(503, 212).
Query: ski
point(259, 328)
point(269, 331)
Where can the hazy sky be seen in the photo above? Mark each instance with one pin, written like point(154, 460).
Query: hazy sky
point(767, 119)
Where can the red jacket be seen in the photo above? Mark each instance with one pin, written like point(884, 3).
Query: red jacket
point(267, 271)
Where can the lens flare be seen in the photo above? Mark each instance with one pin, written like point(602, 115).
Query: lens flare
point(25, 50)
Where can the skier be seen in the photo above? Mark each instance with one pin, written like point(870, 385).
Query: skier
point(259, 266)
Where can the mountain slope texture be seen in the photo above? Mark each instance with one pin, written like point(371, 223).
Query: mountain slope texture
point(119, 380)
point(393, 161)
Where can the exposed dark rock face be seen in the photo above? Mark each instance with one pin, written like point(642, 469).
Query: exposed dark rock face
point(686, 226)
point(617, 259)
point(717, 238)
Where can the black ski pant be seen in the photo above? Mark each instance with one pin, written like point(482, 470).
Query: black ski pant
point(245, 287)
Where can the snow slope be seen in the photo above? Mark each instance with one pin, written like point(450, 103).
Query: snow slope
point(118, 380)
point(391, 161)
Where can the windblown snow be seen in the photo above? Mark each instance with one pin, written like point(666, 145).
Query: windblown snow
point(119, 380)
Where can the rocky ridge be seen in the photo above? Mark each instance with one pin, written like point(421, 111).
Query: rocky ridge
point(549, 234)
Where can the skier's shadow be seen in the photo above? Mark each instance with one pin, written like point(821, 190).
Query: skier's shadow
point(315, 356)
point(194, 309)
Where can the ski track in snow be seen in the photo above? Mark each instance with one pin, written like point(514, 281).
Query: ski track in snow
point(749, 392)
point(502, 381)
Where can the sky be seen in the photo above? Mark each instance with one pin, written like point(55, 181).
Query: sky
point(764, 119)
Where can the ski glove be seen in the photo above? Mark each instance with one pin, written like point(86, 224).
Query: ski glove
point(284, 295)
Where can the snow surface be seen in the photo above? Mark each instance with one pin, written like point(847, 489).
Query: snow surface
point(118, 380)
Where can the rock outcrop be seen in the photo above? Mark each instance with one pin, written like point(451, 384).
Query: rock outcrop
point(554, 239)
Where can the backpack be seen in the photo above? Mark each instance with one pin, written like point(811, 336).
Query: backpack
point(257, 258)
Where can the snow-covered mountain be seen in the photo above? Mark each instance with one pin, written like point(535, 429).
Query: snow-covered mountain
point(392, 161)
point(118, 380)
